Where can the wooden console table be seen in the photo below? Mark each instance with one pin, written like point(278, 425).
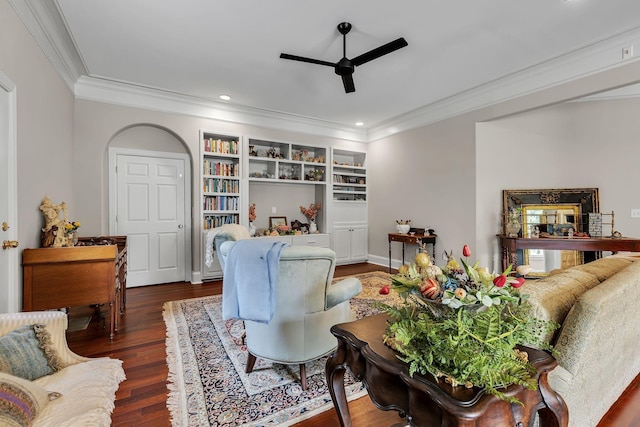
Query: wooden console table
point(77, 276)
point(422, 399)
point(511, 245)
point(414, 239)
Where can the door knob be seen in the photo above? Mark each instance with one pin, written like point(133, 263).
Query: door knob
point(5, 226)
point(9, 244)
point(180, 226)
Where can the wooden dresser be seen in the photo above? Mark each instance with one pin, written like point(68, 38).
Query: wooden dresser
point(94, 272)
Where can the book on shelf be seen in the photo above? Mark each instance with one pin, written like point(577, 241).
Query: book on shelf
point(213, 221)
point(220, 146)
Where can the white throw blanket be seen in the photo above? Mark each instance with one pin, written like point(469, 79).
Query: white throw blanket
point(250, 278)
point(234, 231)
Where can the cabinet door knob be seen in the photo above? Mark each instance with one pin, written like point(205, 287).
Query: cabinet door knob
point(9, 244)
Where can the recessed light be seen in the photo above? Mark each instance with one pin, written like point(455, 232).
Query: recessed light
point(225, 97)
point(359, 124)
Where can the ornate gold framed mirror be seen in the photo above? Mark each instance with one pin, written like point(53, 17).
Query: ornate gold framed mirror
point(557, 213)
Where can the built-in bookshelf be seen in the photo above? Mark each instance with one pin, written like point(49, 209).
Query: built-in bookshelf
point(220, 174)
point(287, 162)
point(349, 176)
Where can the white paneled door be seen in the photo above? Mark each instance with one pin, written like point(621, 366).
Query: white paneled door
point(151, 213)
point(9, 259)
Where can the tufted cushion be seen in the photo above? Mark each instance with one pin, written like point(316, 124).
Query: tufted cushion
point(27, 352)
point(21, 400)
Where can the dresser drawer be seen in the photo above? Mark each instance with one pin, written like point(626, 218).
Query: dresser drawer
point(318, 240)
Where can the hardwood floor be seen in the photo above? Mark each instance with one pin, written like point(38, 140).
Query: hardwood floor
point(140, 344)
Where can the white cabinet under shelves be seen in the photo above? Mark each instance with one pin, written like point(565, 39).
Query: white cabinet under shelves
point(349, 175)
point(350, 243)
point(220, 170)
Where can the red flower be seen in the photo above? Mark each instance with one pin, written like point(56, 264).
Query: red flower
point(500, 281)
point(517, 282)
point(466, 251)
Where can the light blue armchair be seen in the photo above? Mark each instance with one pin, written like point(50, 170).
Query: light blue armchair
point(306, 306)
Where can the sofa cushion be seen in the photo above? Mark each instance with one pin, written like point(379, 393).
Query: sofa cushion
point(21, 400)
point(551, 298)
point(27, 352)
point(598, 346)
point(604, 268)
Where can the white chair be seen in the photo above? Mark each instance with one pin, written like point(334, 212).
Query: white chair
point(306, 306)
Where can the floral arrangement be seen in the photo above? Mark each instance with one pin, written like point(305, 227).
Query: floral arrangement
point(71, 227)
point(252, 212)
point(463, 324)
point(311, 212)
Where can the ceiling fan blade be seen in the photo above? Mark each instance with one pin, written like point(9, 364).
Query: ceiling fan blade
point(379, 51)
point(347, 80)
point(303, 59)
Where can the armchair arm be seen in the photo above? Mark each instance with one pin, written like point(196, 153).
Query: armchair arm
point(56, 323)
point(342, 291)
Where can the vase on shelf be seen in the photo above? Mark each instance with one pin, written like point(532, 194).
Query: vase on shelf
point(313, 228)
point(252, 229)
point(72, 238)
point(403, 228)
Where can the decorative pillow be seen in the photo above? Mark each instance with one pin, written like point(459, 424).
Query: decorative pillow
point(27, 352)
point(21, 400)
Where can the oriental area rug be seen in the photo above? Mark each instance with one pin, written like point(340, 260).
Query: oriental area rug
point(206, 358)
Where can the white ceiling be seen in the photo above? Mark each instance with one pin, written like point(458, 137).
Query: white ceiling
point(204, 48)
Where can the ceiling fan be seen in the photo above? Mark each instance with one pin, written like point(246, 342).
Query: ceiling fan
point(345, 67)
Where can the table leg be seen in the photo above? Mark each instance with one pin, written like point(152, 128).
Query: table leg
point(402, 253)
point(555, 413)
point(112, 315)
point(389, 256)
point(334, 372)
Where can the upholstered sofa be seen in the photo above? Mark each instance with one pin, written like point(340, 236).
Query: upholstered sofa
point(80, 391)
point(598, 344)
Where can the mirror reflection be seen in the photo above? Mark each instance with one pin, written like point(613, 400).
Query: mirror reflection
point(549, 213)
point(550, 221)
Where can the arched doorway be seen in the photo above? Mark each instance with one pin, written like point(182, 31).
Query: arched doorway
point(149, 202)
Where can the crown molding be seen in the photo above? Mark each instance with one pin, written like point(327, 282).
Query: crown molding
point(596, 58)
point(43, 20)
point(111, 92)
point(632, 91)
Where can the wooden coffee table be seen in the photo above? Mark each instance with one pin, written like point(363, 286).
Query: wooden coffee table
point(425, 401)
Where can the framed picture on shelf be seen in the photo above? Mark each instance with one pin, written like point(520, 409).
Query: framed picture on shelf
point(276, 221)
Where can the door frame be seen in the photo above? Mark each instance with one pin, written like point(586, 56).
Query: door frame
point(114, 152)
point(12, 275)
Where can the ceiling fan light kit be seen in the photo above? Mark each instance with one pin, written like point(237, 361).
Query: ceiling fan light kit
point(345, 66)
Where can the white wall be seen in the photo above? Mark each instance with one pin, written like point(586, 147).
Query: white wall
point(440, 176)
point(45, 126)
point(573, 145)
point(96, 125)
point(426, 175)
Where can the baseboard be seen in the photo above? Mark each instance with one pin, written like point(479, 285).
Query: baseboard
point(196, 278)
point(384, 261)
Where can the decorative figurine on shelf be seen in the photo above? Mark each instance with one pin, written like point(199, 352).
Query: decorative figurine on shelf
point(54, 233)
point(513, 225)
point(299, 226)
point(252, 217)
